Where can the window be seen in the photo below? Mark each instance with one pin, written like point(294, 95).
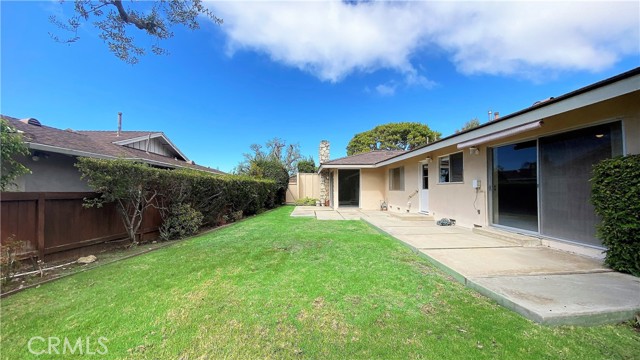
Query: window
point(396, 178)
point(451, 168)
point(425, 177)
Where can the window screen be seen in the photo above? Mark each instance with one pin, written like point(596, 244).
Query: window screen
point(396, 178)
point(567, 163)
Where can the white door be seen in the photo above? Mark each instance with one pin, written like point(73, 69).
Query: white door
point(424, 188)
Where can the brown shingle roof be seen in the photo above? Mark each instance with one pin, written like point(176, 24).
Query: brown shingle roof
point(97, 143)
point(368, 158)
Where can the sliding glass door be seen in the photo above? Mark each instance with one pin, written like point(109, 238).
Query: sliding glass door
point(566, 163)
point(515, 186)
point(557, 204)
point(348, 187)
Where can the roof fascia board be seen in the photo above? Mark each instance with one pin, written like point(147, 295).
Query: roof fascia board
point(346, 167)
point(500, 134)
point(184, 157)
point(59, 150)
point(65, 151)
point(604, 93)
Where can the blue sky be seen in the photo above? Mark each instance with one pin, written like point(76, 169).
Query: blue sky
point(310, 71)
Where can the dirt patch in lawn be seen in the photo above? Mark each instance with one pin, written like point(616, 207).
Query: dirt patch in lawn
point(33, 274)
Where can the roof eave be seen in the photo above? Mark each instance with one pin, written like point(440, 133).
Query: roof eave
point(65, 151)
point(346, 166)
point(562, 104)
point(152, 136)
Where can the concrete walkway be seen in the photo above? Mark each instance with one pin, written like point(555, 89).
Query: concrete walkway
point(548, 286)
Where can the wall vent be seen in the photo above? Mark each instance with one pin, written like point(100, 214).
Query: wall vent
point(31, 121)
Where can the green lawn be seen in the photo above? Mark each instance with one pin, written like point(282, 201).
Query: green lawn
point(280, 287)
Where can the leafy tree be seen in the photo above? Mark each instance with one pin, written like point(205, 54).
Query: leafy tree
point(114, 19)
point(307, 165)
point(276, 150)
point(11, 145)
point(392, 136)
point(132, 186)
point(269, 168)
point(469, 125)
point(278, 162)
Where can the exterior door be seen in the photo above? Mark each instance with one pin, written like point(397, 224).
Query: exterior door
point(424, 188)
point(348, 187)
point(515, 186)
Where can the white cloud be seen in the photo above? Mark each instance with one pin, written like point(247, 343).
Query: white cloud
point(386, 89)
point(333, 39)
point(528, 38)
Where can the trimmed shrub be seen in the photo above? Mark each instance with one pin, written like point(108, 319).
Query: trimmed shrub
point(182, 221)
point(135, 186)
point(306, 201)
point(616, 197)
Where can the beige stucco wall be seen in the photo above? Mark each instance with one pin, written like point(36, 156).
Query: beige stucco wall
point(460, 201)
point(456, 201)
point(398, 200)
point(372, 183)
point(453, 200)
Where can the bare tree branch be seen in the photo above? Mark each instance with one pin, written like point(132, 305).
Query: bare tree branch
point(113, 23)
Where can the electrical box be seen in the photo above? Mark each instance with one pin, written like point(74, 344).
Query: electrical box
point(475, 183)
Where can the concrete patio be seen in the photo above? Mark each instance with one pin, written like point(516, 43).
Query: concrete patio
point(546, 285)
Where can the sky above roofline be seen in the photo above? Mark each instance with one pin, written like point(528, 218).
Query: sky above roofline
point(310, 71)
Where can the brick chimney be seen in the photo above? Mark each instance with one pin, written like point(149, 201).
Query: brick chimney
point(324, 151)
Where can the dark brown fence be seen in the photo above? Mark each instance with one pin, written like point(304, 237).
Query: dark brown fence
point(51, 223)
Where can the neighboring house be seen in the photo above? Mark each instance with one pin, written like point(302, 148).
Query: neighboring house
point(527, 172)
point(54, 153)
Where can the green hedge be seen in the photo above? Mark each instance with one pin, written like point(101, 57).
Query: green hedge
point(616, 197)
point(219, 195)
point(214, 196)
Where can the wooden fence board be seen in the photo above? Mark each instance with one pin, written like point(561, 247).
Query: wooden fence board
point(56, 222)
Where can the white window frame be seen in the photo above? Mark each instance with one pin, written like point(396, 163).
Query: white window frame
point(449, 167)
point(392, 184)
